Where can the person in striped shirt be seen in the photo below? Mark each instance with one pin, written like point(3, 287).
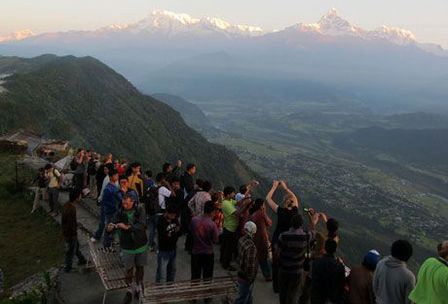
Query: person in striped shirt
point(293, 246)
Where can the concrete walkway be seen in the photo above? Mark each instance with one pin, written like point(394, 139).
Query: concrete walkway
point(81, 287)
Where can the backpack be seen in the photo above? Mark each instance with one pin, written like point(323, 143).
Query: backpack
point(151, 200)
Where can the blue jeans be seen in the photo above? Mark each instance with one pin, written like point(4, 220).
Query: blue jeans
point(245, 292)
point(166, 266)
point(152, 229)
point(104, 220)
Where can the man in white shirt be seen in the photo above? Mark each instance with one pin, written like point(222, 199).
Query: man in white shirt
point(164, 191)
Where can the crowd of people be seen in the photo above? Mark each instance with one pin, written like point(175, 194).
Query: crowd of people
point(300, 258)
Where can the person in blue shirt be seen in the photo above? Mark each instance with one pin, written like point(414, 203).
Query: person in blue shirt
point(108, 209)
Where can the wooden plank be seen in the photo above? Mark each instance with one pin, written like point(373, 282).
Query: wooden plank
point(190, 290)
point(109, 267)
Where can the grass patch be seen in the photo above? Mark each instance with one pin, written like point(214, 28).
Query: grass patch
point(28, 243)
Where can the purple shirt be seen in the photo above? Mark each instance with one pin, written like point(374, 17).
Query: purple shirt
point(205, 233)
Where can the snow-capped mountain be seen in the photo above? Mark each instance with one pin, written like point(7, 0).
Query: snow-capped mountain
point(395, 35)
point(170, 23)
point(332, 24)
point(16, 36)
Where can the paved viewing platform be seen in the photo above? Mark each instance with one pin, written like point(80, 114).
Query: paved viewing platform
point(84, 286)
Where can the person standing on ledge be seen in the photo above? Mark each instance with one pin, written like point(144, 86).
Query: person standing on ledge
point(393, 281)
point(248, 262)
point(361, 278)
point(168, 232)
point(69, 227)
point(284, 215)
point(205, 234)
point(130, 224)
point(432, 280)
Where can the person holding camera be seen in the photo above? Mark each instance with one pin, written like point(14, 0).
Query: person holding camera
point(130, 224)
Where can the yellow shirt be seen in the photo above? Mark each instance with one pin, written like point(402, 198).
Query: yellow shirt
point(53, 177)
point(136, 184)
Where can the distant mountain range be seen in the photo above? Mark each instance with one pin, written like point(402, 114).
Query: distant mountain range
point(203, 59)
point(86, 102)
point(173, 24)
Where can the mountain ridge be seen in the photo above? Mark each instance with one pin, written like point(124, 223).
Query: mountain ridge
point(172, 24)
point(88, 103)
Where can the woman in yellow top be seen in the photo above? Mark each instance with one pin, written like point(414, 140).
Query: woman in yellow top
point(135, 180)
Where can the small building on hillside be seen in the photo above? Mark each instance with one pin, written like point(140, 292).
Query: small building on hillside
point(28, 142)
point(20, 142)
point(53, 149)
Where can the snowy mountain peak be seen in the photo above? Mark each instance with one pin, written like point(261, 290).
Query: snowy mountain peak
point(393, 34)
point(172, 23)
point(20, 35)
point(164, 15)
point(332, 24)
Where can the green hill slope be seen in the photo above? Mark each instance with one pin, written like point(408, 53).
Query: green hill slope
point(85, 101)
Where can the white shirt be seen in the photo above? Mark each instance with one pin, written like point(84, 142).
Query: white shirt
point(164, 193)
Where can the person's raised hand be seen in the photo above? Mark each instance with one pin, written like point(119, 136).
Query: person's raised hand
point(275, 183)
point(283, 184)
point(179, 163)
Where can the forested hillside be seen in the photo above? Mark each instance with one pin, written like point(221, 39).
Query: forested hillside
point(86, 102)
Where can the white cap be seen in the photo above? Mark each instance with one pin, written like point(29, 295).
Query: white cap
point(250, 228)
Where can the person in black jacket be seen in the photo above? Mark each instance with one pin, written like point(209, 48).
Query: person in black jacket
point(70, 230)
point(130, 224)
point(328, 277)
point(168, 232)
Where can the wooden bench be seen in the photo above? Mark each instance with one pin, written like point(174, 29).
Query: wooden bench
point(109, 267)
point(181, 291)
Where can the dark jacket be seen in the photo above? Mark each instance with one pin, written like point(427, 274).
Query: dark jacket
point(135, 237)
point(328, 279)
point(68, 222)
point(168, 233)
point(187, 184)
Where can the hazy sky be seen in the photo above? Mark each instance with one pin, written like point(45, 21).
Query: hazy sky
point(427, 19)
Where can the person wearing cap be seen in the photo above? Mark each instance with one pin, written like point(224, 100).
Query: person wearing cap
point(125, 189)
point(248, 263)
point(432, 280)
point(361, 278)
point(130, 225)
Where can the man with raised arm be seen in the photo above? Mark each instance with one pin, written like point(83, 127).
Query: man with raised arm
point(284, 214)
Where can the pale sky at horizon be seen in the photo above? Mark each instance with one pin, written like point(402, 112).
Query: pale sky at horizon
point(428, 20)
